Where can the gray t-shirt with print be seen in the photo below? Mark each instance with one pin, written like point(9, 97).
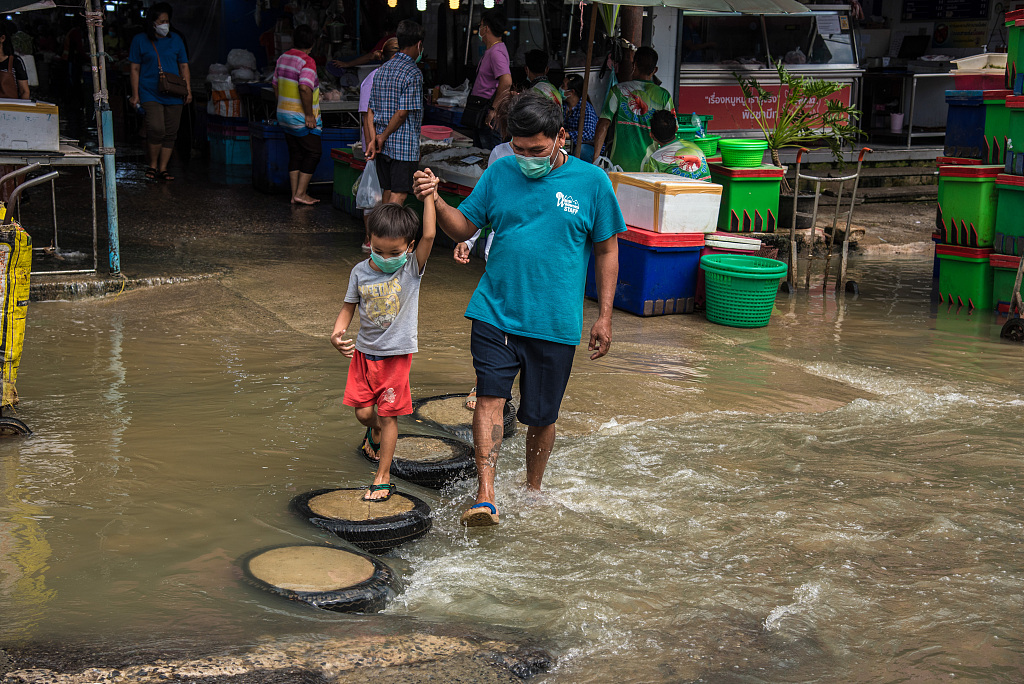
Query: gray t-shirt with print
point(388, 308)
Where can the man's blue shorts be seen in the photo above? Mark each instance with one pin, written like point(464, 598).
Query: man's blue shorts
point(543, 368)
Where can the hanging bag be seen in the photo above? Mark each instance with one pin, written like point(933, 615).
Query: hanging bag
point(169, 84)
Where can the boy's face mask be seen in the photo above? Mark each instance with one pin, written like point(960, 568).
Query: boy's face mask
point(391, 264)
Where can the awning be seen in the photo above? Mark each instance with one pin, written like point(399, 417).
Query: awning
point(744, 6)
point(22, 6)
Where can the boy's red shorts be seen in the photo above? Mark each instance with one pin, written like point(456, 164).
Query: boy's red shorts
point(384, 383)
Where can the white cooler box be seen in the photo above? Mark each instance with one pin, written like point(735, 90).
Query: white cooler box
point(27, 125)
point(665, 203)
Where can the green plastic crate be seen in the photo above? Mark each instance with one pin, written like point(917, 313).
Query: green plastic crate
point(750, 198)
point(997, 127)
point(1013, 47)
point(965, 276)
point(1004, 273)
point(967, 205)
point(1010, 205)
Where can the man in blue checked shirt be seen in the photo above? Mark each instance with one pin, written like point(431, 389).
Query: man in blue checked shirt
point(396, 113)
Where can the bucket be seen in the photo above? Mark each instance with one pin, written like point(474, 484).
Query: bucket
point(708, 144)
point(895, 123)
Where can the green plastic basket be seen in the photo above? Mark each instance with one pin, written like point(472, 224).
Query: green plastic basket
point(708, 144)
point(742, 153)
point(740, 289)
point(686, 132)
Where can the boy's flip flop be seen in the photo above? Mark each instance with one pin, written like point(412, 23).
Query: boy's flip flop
point(480, 515)
point(380, 488)
point(471, 399)
point(370, 448)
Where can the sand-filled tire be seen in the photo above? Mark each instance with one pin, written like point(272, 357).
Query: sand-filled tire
point(11, 427)
point(322, 576)
point(431, 461)
point(449, 412)
point(374, 526)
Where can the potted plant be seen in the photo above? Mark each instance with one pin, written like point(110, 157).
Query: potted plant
point(794, 118)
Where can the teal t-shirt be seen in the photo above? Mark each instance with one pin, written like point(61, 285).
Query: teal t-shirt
point(544, 231)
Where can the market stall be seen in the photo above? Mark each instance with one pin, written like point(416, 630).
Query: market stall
point(713, 48)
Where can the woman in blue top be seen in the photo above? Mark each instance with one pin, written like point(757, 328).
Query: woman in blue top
point(155, 49)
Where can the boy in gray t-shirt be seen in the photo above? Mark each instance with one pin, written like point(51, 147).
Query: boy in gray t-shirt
point(386, 288)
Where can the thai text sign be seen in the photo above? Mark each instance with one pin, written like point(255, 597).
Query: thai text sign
point(725, 102)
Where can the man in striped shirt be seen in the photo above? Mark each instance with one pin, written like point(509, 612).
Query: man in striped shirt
point(396, 113)
point(298, 112)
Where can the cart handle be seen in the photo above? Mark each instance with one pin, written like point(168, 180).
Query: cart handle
point(801, 153)
point(18, 172)
point(16, 195)
point(863, 151)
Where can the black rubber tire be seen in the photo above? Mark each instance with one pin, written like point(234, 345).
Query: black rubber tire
point(370, 596)
point(10, 427)
point(852, 287)
point(435, 474)
point(1013, 330)
point(378, 535)
point(465, 432)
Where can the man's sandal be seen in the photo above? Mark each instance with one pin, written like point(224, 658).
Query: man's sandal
point(151, 174)
point(370, 448)
point(471, 399)
point(480, 515)
point(379, 488)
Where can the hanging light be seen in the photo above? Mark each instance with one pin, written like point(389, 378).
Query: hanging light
point(392, 3)
point(453, 4)
point(488, 4)
point(421, 5)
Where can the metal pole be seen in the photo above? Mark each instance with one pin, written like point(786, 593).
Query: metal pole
point(95, 57)
point(469, 33)
point(106, 133)
point(586, 82)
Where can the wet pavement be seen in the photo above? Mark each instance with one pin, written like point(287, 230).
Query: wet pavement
point(830, 498)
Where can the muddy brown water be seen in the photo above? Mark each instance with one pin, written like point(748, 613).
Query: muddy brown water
point(834, 497)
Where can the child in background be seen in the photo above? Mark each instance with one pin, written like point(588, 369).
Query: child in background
point(669, 155)
point(386, 288)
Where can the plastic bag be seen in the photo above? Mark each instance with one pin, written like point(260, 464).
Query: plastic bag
point(243, 75)
point(238, 59)
point(218, 69)
point(455, 96)
point(369, 194)
point(605, 164)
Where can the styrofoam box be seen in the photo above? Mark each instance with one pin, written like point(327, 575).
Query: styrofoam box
point(27, 125)
point(666, 203)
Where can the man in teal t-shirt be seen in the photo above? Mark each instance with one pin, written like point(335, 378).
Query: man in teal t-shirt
point(548, 212)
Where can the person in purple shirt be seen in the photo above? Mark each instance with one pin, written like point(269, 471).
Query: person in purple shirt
point(493, 75)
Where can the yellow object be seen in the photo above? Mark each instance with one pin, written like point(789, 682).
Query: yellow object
point(15, 267)
point(666, 203)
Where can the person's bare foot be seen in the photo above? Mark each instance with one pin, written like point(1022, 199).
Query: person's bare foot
point(306, 199)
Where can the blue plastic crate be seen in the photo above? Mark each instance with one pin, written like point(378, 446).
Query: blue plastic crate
point(230, 150)
point(654, 279)
point(965, 124)
point(270, 155)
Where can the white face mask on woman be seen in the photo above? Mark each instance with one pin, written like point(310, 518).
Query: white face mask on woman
point(162, 29)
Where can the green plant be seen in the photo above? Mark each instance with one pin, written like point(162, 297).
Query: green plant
point(795, 119)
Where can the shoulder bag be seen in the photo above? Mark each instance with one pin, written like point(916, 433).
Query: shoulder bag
point(169, 84)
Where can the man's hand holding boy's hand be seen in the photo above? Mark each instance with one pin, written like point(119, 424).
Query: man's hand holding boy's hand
point(424, 184)
point(461, 253)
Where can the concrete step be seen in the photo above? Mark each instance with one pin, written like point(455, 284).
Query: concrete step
point(880, 176)
point(903, 193)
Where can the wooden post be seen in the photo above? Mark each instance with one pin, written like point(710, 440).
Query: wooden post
point(586, 81)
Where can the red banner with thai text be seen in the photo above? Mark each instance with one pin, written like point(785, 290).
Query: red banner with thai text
point(725, 102)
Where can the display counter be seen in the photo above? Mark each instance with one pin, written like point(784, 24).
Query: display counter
point(716, 47)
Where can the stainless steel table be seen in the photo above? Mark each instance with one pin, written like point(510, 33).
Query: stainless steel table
point(69, 155)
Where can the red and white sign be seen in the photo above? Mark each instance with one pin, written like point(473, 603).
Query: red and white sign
point(725, 102)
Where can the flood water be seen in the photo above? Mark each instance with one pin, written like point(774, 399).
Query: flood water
point(834, 497)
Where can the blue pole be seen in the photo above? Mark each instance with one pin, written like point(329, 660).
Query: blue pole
point(110, 187)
